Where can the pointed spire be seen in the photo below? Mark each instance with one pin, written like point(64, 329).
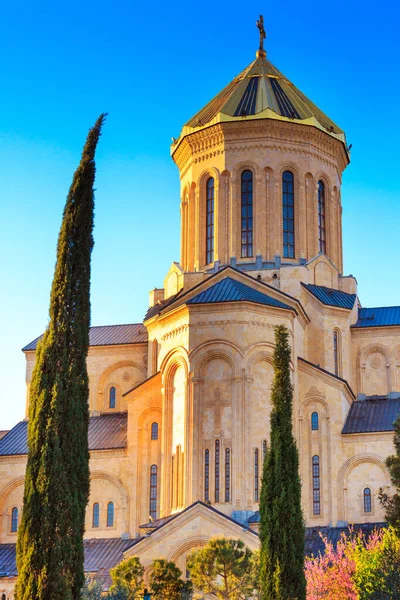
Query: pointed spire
point(261, 52)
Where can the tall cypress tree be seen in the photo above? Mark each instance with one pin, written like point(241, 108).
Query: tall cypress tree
point(282, 524)
point(50, 538)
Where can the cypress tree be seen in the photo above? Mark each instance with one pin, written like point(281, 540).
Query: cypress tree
point(50, 538)
point(281, 519)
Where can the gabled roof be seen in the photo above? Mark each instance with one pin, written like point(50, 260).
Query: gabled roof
point(330, 296)
point(230, 290)
point(372, 414)
point(254, 286)
point(107, 432)
point(328, 373)
point(159, 523)
point(108, 335)
point(384, 316)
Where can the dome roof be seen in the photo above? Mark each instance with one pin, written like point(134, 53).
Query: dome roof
point(261, 92)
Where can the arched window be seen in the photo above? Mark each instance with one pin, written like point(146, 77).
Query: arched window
point(367, 500)
point(207, 476)
point(336, 352)
point(316, 486)
point(110, 514)
point(227, 475)
point(256, 476)
point(264, 448)
point(153, 492)
point(210, 221)
point(3, 597)
point(321, 217)
point(314, 421)
point(288, 214)
point(14, 519)
point(96, 515)
point(247, 214)
point(154, 431)
point(112, 398)
point(217, 469)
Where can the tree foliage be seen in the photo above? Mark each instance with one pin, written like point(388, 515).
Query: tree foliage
point(281, 519)
point(392, 504)
point(223, 567)
point(357, 568)
point(50, 537)
point(92, 590)
point(127, 579)
point(166, 581)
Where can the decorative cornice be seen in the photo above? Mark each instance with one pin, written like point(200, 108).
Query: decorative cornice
point(264, 135)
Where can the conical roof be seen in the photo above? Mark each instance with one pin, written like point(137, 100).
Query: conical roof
point(261, 91)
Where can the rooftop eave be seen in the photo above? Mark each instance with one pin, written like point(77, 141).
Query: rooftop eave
point(265, 114)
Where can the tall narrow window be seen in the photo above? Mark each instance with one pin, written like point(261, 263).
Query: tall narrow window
point(316, 486)
point(207, 476)
point(288, 214)
point(217, 469)
point(112, 398)
point(14, 520)
point(256, 476)
point(336, 350)
point(314, 421)
point(247, 214)
point(321, 217)
point(154, 431)
point(227, 475)
point(210, 221)
point(264, 447)
point(367, 500)
point(110, 514)
point(96, 515)
point(153, 492)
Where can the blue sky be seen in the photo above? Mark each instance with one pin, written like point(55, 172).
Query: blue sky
point(151, 67)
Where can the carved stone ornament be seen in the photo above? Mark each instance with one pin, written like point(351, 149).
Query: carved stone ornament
point(376, 362)
point(314, 392)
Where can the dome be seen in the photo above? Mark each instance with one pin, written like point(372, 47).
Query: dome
point(261, 91)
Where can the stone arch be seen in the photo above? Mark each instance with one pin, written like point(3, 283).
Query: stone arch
point(322, 176)
point(246, 165)
point(203, 177)
point(257, 354)
point(10, 487)
point(305, 406)
point(189, 544)
point(347, 467)
point(323, 274)
point(208, 351)
point(176, 357)
point(108, 371)
point(125, 508)
point(371, 348)
point(366, 369)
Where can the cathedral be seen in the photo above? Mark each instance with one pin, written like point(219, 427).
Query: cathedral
point(180, 403)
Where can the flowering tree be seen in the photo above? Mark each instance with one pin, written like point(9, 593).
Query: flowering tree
point(331, 575)
point(358, 568)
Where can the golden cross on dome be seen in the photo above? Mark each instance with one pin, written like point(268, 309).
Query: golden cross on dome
point(260, 25)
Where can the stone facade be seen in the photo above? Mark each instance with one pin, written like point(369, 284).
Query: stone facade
point(197, 392)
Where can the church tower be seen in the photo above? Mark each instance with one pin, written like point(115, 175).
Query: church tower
point(261, 170)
